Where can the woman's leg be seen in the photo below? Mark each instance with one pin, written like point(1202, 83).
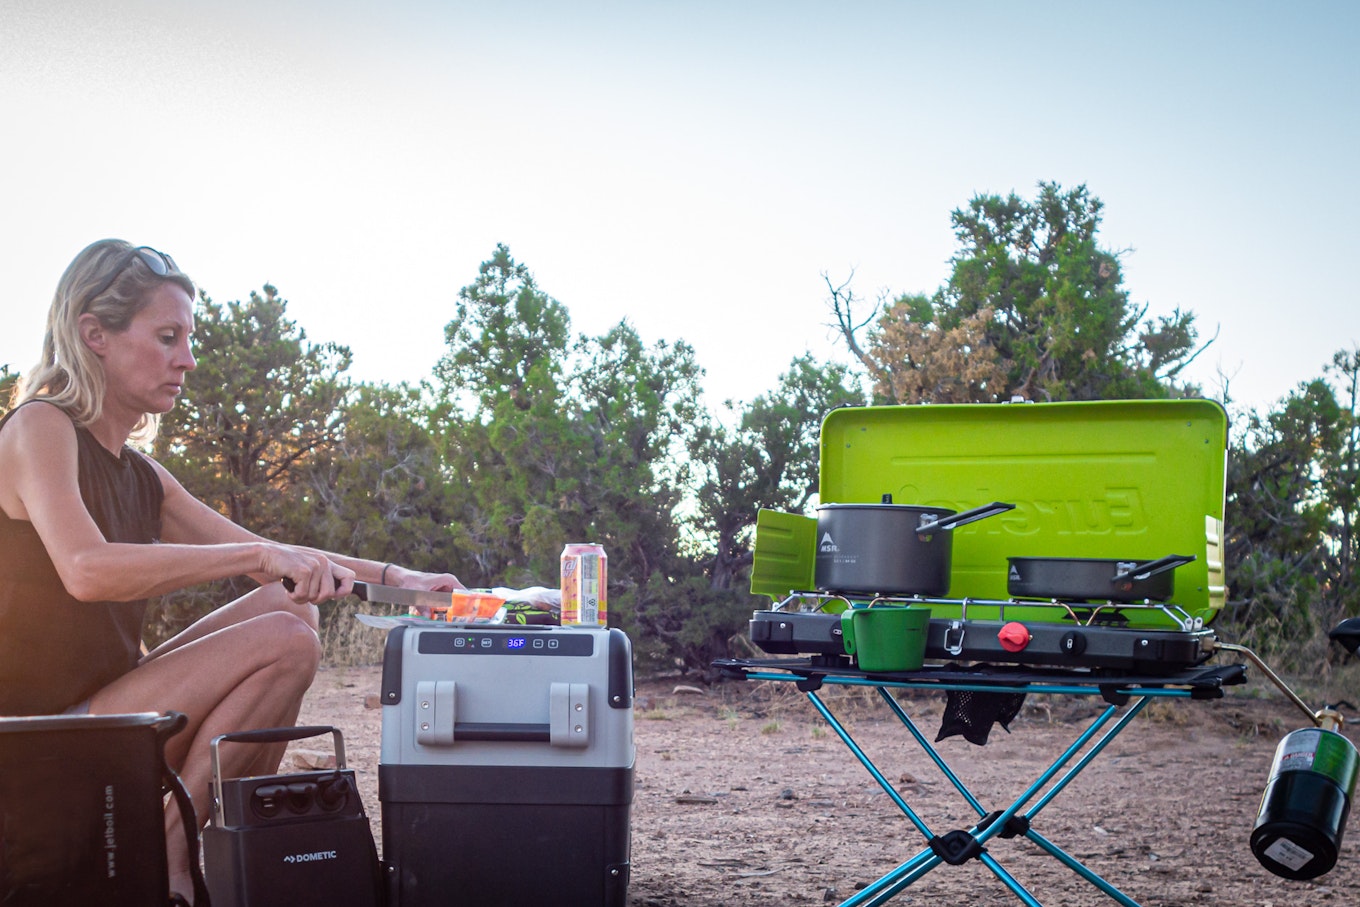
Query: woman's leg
point(259, 601)
point(245, 666)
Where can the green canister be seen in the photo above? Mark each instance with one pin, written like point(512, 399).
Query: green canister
point(1307, 799)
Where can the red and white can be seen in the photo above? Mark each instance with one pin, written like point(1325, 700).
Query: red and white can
point(584, 571)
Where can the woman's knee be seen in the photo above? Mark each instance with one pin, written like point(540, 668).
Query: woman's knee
point(274, 598)
point(292, 643)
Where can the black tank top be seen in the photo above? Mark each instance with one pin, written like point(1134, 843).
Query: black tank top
point(55, 651)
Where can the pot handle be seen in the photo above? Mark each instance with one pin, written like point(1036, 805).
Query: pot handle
point(967, 516)
point(1152, 568)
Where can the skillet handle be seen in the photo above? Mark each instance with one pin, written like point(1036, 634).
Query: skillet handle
point(967, 516)
point(1152, 568)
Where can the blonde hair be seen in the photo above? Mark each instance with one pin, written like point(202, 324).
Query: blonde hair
point(69, 375)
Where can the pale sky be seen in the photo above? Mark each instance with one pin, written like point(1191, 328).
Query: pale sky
point(693, 167)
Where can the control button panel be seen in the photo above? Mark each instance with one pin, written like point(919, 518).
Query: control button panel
point(452, 642)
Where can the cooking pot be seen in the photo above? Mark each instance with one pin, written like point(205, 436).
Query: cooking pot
point(1094, 579)
point(889, 549)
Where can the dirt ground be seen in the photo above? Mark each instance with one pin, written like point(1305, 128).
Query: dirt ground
point(744, 797)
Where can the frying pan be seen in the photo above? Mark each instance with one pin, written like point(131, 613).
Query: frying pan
point(1094, 579)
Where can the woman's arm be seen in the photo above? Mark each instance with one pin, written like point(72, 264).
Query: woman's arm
point(39, 450)
point(188, 520)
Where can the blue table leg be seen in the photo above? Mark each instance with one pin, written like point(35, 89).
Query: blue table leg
point(868, 764)
point(1080, 869)
point(887, 886)
point(999, 824)
point(930, 751)
point(903, 876)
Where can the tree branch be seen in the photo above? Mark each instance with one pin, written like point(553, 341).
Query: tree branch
point(842, 306)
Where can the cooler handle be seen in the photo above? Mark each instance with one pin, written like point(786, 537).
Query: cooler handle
point(436, 718)
point(506, 731)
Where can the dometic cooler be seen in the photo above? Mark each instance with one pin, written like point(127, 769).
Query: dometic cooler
point(506, 775)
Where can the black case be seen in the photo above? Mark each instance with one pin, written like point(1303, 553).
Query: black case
point(284, 840)
point(81, 816)
point(494, 836)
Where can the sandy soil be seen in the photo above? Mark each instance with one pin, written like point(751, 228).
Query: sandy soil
point(744, 797)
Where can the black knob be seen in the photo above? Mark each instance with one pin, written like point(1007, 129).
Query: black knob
point(333, 791)
point(1072, 643)
point(301, 796)
point(1347, 633)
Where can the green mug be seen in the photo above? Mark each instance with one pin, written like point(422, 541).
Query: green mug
point(886, 637)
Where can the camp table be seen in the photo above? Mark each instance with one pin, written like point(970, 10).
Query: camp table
point(1124, 697)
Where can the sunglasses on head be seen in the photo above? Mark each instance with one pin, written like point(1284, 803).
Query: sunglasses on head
point(160, 264)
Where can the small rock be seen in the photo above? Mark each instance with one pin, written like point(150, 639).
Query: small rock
point(830, 895)
point(787, 794)
point(313, 760)
point(372, 701)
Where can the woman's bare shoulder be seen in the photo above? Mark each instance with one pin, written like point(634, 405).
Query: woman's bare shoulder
point(40, 414)
point(37, 423)
point(37, 448)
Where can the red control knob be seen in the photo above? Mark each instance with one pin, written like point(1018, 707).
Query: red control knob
point(1014, 636)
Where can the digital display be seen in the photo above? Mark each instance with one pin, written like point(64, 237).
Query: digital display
point(547, 642)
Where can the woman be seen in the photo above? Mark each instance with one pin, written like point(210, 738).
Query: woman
point(90, 529)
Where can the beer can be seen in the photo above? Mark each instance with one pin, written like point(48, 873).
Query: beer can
point(584, 570)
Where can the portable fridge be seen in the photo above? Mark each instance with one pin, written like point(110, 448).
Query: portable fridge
point(506, 772)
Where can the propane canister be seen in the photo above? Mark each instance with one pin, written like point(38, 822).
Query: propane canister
point(1307, 799)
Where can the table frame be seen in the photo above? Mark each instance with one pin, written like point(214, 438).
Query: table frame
point(1125, 699)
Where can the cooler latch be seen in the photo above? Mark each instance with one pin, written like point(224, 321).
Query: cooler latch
point(435, 713)
point(569, 714)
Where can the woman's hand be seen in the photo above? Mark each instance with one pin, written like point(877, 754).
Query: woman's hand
point(415, 579)
point(313, 577)
point(428, 582)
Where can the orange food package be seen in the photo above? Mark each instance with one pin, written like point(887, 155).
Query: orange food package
point(473, 605)
point(464, 605)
